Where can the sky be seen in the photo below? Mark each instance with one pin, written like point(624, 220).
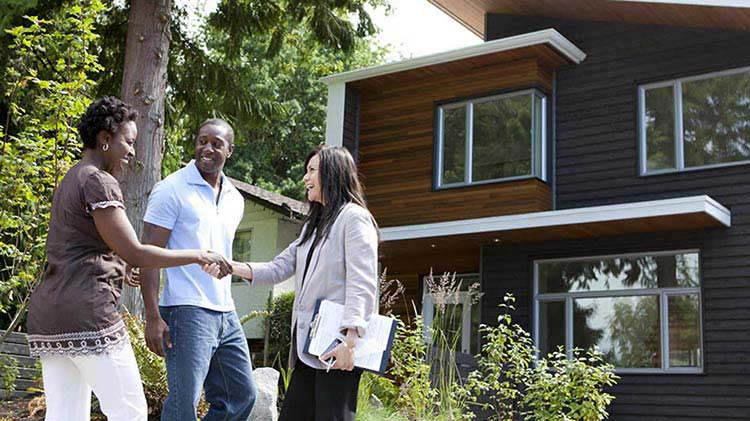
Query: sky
point(414, 28)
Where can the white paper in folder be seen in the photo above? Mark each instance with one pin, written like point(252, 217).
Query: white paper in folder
point(373, 349)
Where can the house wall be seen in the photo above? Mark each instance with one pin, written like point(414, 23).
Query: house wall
point(396, 142)
point(264, 224)
point(597, 163)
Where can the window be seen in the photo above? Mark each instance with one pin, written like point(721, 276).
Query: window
point(695, 122)
point(241, 248)
point(490, 139)
point(455, 311)
point(642, 311)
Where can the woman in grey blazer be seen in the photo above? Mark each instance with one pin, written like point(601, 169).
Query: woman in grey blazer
point(335, 258)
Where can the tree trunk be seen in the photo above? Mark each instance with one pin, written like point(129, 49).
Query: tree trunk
point(144, 85)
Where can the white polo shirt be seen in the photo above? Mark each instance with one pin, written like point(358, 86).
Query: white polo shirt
point(186, 204)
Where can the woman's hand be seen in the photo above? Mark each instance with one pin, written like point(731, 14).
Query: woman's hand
point(344, 356)
point(133, 276)
point(219, 266)
point(344, 352)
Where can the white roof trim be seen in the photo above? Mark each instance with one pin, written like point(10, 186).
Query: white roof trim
point(667, 207)
point(546, 36)
point(716, 3)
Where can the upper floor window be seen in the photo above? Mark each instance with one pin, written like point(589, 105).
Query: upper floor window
point(643, 311)
point(492, 138)
point(695, 122)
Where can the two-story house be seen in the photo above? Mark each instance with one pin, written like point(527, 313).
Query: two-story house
point(592, 157)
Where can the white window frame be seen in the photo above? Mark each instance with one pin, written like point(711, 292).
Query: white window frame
point(460, 297)
point(535, 143)
point(678, 134)
point(662, 293)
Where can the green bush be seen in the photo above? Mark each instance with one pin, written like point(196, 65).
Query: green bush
point(152, 368)
point(9, 372)
point(510, 383)
point(47, 86)
point(280, 320)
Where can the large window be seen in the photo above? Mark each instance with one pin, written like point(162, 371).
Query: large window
point(492, 138)
point(695, 122)
point(642, 311)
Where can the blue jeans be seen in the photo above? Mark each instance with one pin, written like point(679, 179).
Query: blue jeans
point(209, 351)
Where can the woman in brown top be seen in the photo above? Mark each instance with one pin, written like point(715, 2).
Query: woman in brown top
point(73, 322)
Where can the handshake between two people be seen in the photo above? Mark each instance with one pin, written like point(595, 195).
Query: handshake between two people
point(211, 262)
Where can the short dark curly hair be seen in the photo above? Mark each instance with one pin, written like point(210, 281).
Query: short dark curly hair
point(105, 113)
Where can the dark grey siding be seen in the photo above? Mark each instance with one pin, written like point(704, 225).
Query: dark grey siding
point(351, 122)
point(596, 163)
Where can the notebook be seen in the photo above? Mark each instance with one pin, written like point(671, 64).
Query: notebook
point(373, 349)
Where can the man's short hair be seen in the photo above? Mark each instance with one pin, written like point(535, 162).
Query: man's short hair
point(221, 123)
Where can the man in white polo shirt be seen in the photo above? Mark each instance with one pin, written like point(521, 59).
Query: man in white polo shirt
point(195, 324)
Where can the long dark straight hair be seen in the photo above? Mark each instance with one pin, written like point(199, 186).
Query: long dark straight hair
point(339, 185)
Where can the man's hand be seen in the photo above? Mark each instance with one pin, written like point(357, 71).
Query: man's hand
point(133, 276)
point(157, 334)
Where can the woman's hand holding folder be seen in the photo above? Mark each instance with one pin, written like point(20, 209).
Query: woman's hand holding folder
point(343, 353)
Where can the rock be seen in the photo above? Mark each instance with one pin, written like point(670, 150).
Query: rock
point(267, 384)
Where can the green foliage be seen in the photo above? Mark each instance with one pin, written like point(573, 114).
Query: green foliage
point(280, 320)
point(510, 383)
point(152, 367)
point(445, 337)
point(257, 65)
point(569, 389)
point(417, 398)
point(9, 372)
point(47, 87)
point(277, 104)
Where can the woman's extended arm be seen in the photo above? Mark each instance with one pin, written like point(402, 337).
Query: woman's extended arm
point(115, 229)
point(281, 268)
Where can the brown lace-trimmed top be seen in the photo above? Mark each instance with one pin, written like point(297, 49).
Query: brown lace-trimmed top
point(73, 311)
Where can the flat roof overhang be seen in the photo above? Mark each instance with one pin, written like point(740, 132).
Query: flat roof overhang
point(547, 45)
point(716, 14)
point(680, 214)
point(547, 37)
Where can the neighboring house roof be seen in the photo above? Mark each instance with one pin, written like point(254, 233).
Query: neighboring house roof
point(728, 14)
point(294, 208)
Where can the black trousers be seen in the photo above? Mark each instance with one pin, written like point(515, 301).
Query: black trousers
point(315, 395)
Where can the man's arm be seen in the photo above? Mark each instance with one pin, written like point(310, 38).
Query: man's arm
point(157, 331)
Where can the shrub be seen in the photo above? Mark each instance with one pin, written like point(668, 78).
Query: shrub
point(569, 389)
point(9, 372)
point(280, 324)
point(416, 398)
point(511, 383)
point(47, 88)
point(152, 368)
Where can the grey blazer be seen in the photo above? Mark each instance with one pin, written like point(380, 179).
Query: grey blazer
point(343, 269)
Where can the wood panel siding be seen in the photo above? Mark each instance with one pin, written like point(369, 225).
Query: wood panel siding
point(351, 122)
point(471, 13)
point(597, 164)
point(396, 136)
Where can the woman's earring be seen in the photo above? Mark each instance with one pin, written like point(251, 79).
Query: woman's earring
point(105, 147)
